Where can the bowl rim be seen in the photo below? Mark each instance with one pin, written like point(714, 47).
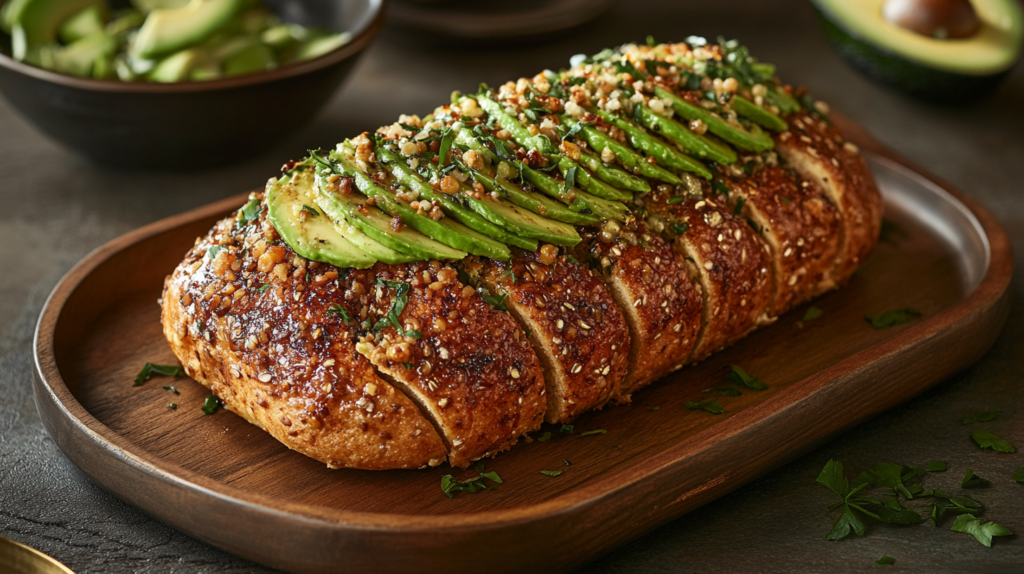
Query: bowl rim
point(360, 39)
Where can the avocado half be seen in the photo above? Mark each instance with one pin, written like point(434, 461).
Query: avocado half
point(940, 70)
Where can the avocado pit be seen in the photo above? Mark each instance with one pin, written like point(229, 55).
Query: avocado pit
point(940, 19)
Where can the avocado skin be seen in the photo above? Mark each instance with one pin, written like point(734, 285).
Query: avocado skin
point(890, 69)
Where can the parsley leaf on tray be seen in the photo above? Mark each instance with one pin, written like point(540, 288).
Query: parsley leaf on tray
point(893, 318)
point(986, 439)
point(982, 531)
point(150, 369)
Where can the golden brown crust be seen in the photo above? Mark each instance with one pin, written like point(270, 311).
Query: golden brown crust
point(575, 327)
point(252, 328)
point(468, 365)
point(816, 150)
point(800, 226)
point(731, 261)
point(661, 305)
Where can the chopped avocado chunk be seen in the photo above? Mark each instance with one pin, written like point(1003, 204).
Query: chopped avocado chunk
point(34, 24)
point(148, 6)
point(317, 47)
point(80, 58)
point(253, 58)
point(176, 67)
point(932, 68)
point(172, 29)
point(85, 23)
point(310, 233)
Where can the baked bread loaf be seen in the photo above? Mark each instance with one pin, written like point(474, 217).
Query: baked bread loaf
point(438, 289)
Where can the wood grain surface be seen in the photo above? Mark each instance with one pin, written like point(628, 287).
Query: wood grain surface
point(228, 483)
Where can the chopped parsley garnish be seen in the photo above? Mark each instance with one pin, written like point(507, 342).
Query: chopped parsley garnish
point(442, 152)
point(570, 180)
point(567, 429)
point(263, 288)
point(972, 480)
point(172, 406)
point(655, 408)
point(894, 476)
point(211, 404)
point(339, 311)
point(738, 376)
point(551, 472)
point(981, 531)
point(725, 391)
point(980, 417)
point(739, 206)
point(312, 211)
point(496, 301)
point(986, 439)
point(251, 211)
point(566, 463)
point(545, 437)
point(720, 187)
point(812, 314)
point(957, 505)
point(893, 318)
point(172, 389)
point(575, 130)
point(213, 251)
point(149, 369)
point(885, 561)
point(679, 228)
point(651, 42)
point(449, 485)
point(936, 466)
point(397, 305)
point(1018, 474)
point(713, 407)
point(594, 432)
point(675, 200)
point(855, 506)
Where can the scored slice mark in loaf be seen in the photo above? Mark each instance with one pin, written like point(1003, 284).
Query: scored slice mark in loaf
point(467, 365)
point(248, 326)
point(800, 226)
point(731, 261)
point(817, 151)
point(651, 285)
point(574, 325)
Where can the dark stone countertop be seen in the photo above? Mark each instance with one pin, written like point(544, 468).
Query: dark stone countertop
point(56, 208)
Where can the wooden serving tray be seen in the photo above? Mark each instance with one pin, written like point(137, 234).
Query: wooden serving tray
point(231, 485)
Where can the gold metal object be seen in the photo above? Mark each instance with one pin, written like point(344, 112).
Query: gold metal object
point(16, 558)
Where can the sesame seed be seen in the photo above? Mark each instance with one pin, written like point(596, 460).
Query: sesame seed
point(514, 372)
point(442, 352)
point(327, 387)
point(584, 325)
point(708, 265)
point(264, 377)
point(370, 389)
point(329, 363)
point(443, 402)
point(576, 368)
point(560, 324)
point(569, 307)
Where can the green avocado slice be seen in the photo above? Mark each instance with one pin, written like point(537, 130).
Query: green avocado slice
point(449, 233)
point(396, 165)
point(35, 23)
point(312, 235)
point(936, 69)
point(356, 209)
point(85, 23)
point(173, 29)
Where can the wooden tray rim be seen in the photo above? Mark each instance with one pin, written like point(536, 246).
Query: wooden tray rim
point(51, 387)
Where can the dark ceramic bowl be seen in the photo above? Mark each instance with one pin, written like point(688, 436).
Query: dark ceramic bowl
point(193, 124)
